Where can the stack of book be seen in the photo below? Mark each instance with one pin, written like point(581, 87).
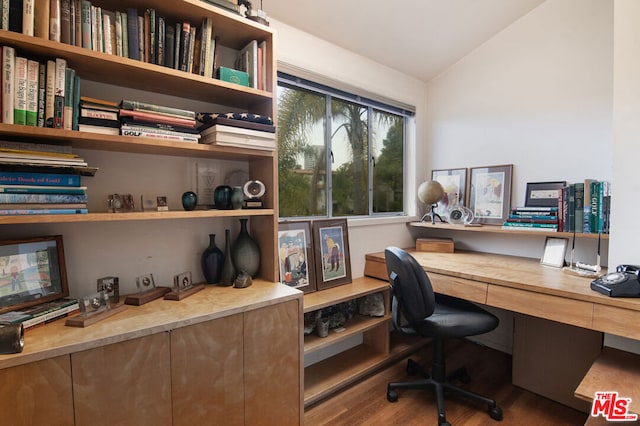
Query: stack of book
point(98, 116)
point(41, 179)
point(147, 120)
point(242, 130)
point(533, 219)
point(586, 207)
point(42, 313)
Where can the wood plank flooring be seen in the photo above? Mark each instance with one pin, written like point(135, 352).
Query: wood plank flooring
point(365, 403)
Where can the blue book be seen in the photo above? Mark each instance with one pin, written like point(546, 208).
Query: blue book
point(35, 178)
point(30, 212)
point(35, 189)
point(43, 198)
point(132, 33)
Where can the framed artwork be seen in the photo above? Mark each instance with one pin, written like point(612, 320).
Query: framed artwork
point(454, 182)
point(295, 251)
point(543, 194)
point(490, 193)
point(331, 243)
point(555, 250)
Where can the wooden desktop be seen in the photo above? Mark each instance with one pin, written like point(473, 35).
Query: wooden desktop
point(524, 286)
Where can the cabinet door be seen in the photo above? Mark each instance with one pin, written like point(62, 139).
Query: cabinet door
point(38, 393)
point(273, 364)
point(206, 373)
point(126, 383)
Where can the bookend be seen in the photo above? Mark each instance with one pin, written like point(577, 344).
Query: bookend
point(183, 287)
point(86, 320)
point(146, 296)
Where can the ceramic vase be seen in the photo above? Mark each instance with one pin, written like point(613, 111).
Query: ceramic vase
point(189, 200)
point(212, 261)
point(237, 198)
point(245, 252)
point(228, 269)
point(222, 197)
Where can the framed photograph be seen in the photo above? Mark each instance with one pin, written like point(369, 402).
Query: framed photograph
point(490, 193)
point(332, 258)
point(32, 271)
point(454, 182)
point(555, 250)
point(295, 251)
point(543, 194)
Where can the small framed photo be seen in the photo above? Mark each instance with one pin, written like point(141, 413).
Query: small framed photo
point(454, 182)
point(295, 252)
point(543, 194)
point(490, 193)
point(331, 251)
point(555, 250)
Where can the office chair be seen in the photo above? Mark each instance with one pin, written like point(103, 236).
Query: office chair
point(417, 310)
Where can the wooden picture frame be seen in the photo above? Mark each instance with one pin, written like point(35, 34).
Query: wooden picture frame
point(454, 183)
point(295, 255)
point(490, 193)
point(543, 194)
point(331, 252)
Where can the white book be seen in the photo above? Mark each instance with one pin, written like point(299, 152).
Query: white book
point(33, 68)
point(20, 93)
point(107, 18)
point(59, 93)
point(28, 17)
point(248, 61)
point(4, 19)
point(118, 26)
point(8, 75)
point(54, 20)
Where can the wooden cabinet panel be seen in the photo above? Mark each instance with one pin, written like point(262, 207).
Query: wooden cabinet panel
point(125, 383)
point(620, 321)
point(206, 373)
point(568, 311)
point(273, 364)
point(38, 393)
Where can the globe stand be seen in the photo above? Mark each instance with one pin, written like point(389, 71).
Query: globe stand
point(433, 215)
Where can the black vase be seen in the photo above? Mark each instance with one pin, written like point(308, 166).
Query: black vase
point(222, 197)
point(211, 261)
point(228, 269)
point(189, 200)
point(245, 252)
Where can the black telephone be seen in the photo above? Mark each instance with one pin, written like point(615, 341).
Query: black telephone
point(625, 282)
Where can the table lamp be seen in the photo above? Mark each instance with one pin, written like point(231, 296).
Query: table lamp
point(431, 192)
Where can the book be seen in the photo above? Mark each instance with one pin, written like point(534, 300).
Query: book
point(27, 212)
point(233, 76)
point(185, 40)
point(90, 128)
point(263, 65)
point(36, 189)
point(130, 123)
point(54, 20)
point(99, 122)
point(534, 208)
point(75, 94)
point(59, 94)
point(6, 157)
point(206, 59)
point(98, 113)
point(65, 21)
point(14, 317)
point(156, 109)
point(39, 206)
point(38, 178)
point(166, 135)
point(177, 45)
point(95, 103)
point(69, 77)
point(237, 123)
point(247, 60)
point(579, 207)
point(42, 93)
point(28, 17)
point(41, 18)
point(238, 137)
point(35, 147)
point(108, 21)
point(132, 33)
point(15, 15)
point(141, 30)
point(41, 313)
point(530, 226)
point(160, 40)
point(50, 93)
point(20, 84)
point(533, 218)
point(169, 46)
point(42, 198)
point(51, 316)
point(192, 44)
point(8, 83)
point(86, 24)
point(76, 14)
point(157, 118)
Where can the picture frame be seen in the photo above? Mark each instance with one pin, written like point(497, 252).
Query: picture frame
point(490, 193)
point(32, 272)
point(543, 194)
point(454, 183)
point(295, 255)
point(555, 250)
point(331, 252)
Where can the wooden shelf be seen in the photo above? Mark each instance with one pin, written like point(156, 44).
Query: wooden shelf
point(356, 325)
point(331, 296)
point(497, 229)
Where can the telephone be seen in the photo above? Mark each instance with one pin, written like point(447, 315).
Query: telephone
point(622, 283)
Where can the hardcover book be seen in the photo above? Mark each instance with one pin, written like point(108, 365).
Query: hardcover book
point(132, 33)
point(156, 109)
point(8, 83)
point(36, 178)
point(233, 76)
point(20, 102)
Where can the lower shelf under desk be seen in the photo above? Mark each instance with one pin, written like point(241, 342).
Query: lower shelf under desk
point(332, 374)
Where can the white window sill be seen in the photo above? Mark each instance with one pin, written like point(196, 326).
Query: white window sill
point(373, 221)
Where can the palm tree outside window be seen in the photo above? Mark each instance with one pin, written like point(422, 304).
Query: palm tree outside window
point(338, 154)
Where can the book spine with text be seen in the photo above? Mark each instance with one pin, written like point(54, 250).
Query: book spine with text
point(65, 21)
point(86, 24)
point(20, 101)
point(60, 82)
point(156, 118)
point(68, 98)
point(54, 20)
point(33, 70)
point(30, 212)
point(153, 108)
point(162, 136)
point(28, 17)
point(132, 33)
point(37, 178)
point(8, 83)
point(124, 23)
point(579, 207)
point(36, 189)
point(41, 11)
point(42, 93)
point(50, 102)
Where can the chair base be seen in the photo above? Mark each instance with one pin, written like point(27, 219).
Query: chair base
point(441, 383)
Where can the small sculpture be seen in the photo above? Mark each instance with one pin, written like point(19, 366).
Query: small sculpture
point(243, 280)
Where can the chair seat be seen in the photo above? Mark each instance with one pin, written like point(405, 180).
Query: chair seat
point(453, 318)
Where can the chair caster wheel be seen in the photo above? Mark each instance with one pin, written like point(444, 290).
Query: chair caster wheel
point(464, 376)
point(411, 369)
point(443, 422)
point(392, 396)
point(495, 412)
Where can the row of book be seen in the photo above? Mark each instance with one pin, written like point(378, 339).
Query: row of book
point(143, 35)
point(42, 313)
point(38, 93)
point(582, 207)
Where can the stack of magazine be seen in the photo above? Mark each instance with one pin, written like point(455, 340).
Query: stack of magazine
point(147, 120)
point(41, 314)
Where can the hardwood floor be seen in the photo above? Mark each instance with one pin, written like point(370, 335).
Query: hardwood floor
point(365, 403)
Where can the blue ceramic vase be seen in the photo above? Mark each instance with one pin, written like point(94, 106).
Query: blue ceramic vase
point(189, 200)
point(222, 197)
point(212, 261)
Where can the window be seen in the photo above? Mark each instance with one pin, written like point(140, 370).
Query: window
point(338, 154)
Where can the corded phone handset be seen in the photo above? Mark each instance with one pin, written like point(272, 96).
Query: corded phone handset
point(622, 283)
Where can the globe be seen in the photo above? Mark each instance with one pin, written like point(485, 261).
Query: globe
point(430, 192)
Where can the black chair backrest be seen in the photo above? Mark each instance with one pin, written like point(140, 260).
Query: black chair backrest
point(411, 285)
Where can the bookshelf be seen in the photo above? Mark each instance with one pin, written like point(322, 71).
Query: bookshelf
point(234, 32)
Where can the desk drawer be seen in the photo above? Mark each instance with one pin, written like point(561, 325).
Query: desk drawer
point(474, 291)
point(623, 322)
point(554, 308)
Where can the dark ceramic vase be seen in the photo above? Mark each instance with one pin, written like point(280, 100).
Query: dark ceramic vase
point(189, 200)
point(245, 252)
point(212, 261)
point(228, 269)
point(237, 198)
point(222, 197)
